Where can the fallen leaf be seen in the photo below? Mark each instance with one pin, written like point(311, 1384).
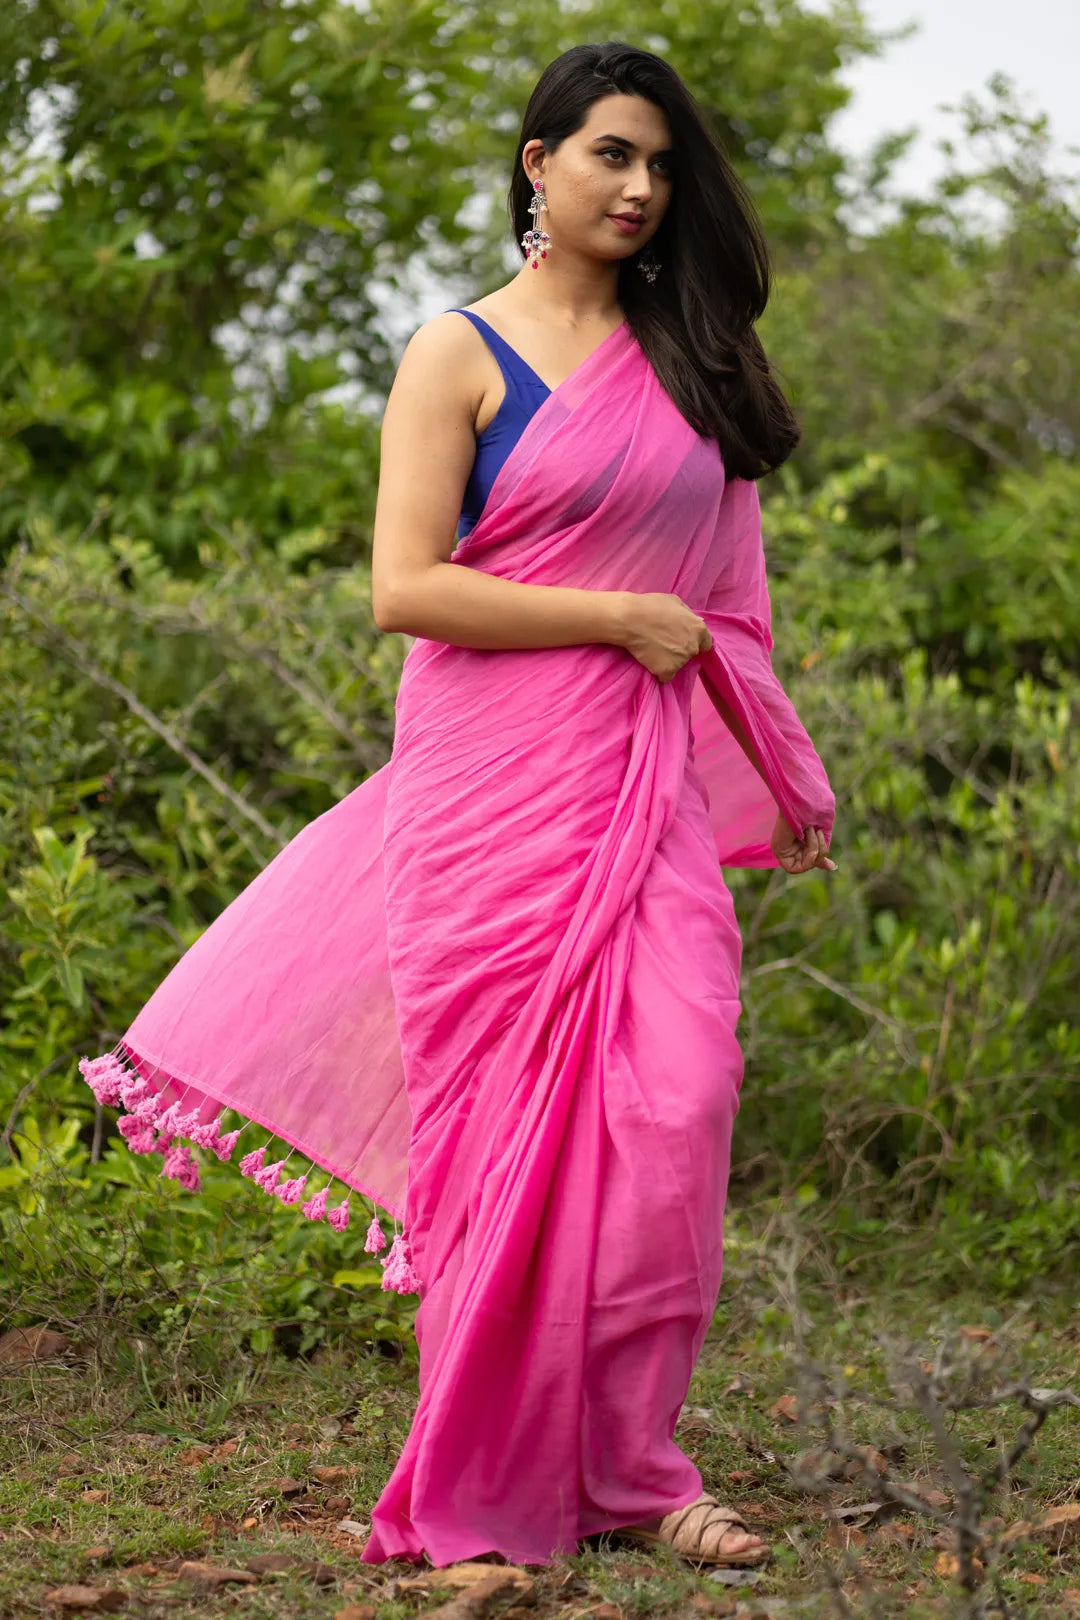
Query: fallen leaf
point(209, 1576)
point(1031, 1579)
point(195, 1454)
point(897, 1532)
point(740, 1385)
point(98, 1552)
point(1060, 1527)
point(866, 1459)
point(356, 1611)
point(978, 1335)
point(926, 1493)
point(480, 1597)
point(787, 1408)
point(353, 1527)
point(22, 1345)
point(249, 1524)
point(462, 1577)
point(742, 1476)
point(274, 1563)
point(606, 1611)
point(93, 1497)
point(98, 1599)
point(948, 1565)
point(844, 1535)
point(703, 1603)
point(819, 1465)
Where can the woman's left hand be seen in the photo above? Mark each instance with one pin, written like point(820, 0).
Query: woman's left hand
point(799, 854)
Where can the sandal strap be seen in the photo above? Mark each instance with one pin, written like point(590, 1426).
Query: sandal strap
point(674, 1526)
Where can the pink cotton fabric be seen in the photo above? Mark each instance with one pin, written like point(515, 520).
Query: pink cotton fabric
point(496, 987)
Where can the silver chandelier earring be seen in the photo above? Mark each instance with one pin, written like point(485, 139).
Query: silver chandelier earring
point(647, 264)
point(537, 241)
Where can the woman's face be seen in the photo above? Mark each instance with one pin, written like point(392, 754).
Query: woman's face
point(619, 162)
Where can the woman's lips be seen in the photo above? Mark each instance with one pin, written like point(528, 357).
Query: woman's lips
point(630, 226)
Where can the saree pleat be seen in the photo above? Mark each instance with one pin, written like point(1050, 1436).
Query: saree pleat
point(497, 988)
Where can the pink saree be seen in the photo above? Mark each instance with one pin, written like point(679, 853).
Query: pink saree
point(495, 989)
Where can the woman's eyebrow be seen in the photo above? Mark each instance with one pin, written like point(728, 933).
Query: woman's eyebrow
point(631, 146)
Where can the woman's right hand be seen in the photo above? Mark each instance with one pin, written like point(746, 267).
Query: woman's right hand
point(660, 631)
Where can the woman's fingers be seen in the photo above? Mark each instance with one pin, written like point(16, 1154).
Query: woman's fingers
point(808, 852)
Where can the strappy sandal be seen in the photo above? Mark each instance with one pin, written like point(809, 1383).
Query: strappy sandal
point(686, 1531)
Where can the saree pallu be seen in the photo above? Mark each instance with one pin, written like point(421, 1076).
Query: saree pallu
point(496, 989)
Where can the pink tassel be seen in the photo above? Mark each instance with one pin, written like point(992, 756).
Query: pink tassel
point(103, 1075)
point(138, 1135)
point(170, 1119)
point(204, 1136)
point(339, 1218)
point(376, 1238)
point(139, 1097)
point(223, 1146)
point(251, 1162)
point(189, 1177)
point(291, 1192)
point(315, 1208)
point(180, 1166)
point(189, 1125)
point(399, 1274)
point(268, 1179)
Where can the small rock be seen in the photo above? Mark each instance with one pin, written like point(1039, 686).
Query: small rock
point(337, 1504)
point(733, 1577)
point(356, 1611)
point(93, 1497)
point(98, 1552)
point(72, 1463)
point(96, 1599)
point(286, 1487)
point(332, 1475)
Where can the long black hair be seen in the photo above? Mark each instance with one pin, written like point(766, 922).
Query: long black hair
point(695, 322)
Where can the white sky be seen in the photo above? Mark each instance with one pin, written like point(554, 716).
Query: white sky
point(958, 45)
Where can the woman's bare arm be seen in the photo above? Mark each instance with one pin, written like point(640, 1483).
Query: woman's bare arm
point(427, 451)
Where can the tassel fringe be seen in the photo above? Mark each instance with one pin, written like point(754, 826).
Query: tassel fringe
point(149, 1126)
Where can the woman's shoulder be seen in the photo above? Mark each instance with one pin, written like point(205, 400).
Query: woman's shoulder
point(446, 338)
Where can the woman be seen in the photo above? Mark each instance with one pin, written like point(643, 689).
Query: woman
point(496, 988)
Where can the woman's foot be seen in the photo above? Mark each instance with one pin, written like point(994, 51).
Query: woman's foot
point(702, 1532)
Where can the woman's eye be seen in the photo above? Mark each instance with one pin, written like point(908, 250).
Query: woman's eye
point(615, 151)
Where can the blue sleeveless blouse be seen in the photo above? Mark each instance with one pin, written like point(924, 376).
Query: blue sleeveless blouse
point(525, 393)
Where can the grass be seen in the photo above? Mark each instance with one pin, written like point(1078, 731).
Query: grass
point(114, 1471)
